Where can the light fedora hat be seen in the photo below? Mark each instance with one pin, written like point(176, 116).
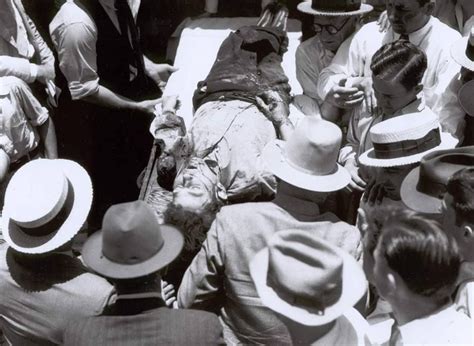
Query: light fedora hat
point(131, 243)
point(424, 187)
point(334, 7)
point(405, 139)
point(46, 204)
point(462, 51)
point(305, 278)
point(466, 99)
point(308, 159)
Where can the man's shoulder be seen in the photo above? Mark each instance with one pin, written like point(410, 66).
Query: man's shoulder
point(447, 33)
point(245, 210)
point(368, 32)
point(70, 13)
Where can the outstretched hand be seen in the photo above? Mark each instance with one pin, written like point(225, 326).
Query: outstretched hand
point(160, 73)
point(168, 294)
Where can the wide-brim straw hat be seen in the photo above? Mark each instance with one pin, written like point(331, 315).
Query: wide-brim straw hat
point(46, 204)
point(462, 51)
point(405, 139)
point(334, 8)
point(308, 159)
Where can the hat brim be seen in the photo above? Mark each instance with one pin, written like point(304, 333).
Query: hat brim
point(416, 200)
point(458, 53)
point(279, 166)
point(83, 192)
point(368, 158)
point(353, 288)
point(95, 260)
point(305, 7)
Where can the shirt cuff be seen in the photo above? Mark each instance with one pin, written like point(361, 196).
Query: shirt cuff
point(80, 90)
point(41, 118)
point(33, 73)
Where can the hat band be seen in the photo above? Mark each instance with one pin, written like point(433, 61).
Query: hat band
point(56, 223)
point(408, 147)
point(431, 188)
point(336, 5)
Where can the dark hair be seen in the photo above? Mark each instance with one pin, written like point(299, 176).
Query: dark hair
point(400, 61)
point(461, 188)
point(193, 225)
point(421, 253)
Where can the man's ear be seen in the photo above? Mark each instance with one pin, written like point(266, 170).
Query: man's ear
point(392, 282)
point(468, 231)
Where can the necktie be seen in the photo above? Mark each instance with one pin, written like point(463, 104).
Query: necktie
point(127, 25)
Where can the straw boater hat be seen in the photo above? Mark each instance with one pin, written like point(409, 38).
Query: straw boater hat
point(46, 204)
point(334, 7)
point(308, 159)
point(405, 139)
point(131, 243)
point(305, 278)
point(423, 188)
point(462, 51)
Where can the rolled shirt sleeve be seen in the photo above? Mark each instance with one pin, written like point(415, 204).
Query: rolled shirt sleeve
point(75, 42)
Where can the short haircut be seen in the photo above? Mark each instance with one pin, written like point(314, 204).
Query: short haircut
point(461, 188)
point(421, 253)
point(400, 61)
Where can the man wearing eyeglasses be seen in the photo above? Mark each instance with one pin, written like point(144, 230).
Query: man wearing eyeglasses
point(334, 23)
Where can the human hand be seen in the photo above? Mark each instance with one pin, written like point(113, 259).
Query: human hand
point(383, 22)
point(148, 106)
point(375, 192)
point(356, 183)
point(344, 97)
point(168, 294)
point(160, 73)
point(45, 73)
point(364, 84)
point(273, 107)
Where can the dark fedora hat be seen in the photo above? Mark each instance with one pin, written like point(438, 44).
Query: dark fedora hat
point(423, 188)
point(131, 243)
point(334, 7)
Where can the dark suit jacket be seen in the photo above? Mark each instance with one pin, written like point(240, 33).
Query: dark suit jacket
point(121, 325)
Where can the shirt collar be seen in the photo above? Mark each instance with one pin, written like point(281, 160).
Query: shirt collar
point(411, 330)
point(110, 5)
point(416, 37)
point(414, 107)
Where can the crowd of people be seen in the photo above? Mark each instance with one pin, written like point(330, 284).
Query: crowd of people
point(340, 216)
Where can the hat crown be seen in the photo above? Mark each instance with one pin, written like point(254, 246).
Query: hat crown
point(131, 233)
point(336, 5)
point(314, 147)
point(304, 270)
point(36, 194)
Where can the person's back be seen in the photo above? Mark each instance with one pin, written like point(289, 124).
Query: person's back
point(161, 326)
point(37, 302)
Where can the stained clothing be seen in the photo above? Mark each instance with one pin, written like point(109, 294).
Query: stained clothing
point(248, 63)
point(145, 322)
point(113, 145)
point(220, 269)
point(40, 296)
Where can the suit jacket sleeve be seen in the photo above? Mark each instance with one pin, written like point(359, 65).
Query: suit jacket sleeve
point(203, 280)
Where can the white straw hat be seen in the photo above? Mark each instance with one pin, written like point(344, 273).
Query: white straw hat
point(462, 51)
point(334, 7)
point(46, 204)
point(405, 139)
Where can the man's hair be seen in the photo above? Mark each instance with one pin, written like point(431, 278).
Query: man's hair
point(461, 188)
point(193, 225)
point(416, 248)
point(400, 61)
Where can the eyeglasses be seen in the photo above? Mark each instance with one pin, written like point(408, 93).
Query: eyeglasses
point(318, 28)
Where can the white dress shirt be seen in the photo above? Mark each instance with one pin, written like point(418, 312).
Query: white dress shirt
point(74, 35)
point(434, 39)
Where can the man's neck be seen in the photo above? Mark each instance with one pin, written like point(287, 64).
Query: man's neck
point(302, 210)
point(424, 22)
point(414, 308)
point(308, 335)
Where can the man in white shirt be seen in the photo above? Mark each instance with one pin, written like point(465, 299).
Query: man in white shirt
point(416, 268)
point(410, 20)
point(333, 29)
point(111, 90)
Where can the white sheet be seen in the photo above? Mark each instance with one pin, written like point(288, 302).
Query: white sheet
point(197, 49)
